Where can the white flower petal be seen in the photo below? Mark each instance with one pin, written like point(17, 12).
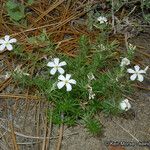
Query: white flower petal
point(69, 87)
point(126, 100)
point(121, 64)
point(125, 105)
point(56, 61)
point(102, 19)
point(99, 19)
point(53, 71)
point(105, 19)
point(12, 40)
point(68, 76)
point(50, 64)
point(128, 106)
point(61, 77)
point(63, 63)
point(133, 77)
point(60, 84)
point(7, 37)
point(72, 81)
point(140, 78)
point(137, 68)
point(61, 70)
point(2, 41)
point(2, 47)
point(130, 71)
point(141, 71)
point(9, 47)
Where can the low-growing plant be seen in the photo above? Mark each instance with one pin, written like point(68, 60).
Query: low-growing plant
point(97, 81)
point(17, 11)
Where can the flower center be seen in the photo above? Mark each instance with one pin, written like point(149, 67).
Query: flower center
point(136, 72)
point(56, 67)
point(66, 81)
point(6, 43)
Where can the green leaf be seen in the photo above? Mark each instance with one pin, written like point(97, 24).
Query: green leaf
point(32, 40)
point(17, 16)
point(11, 5)
point(30, 2)
point(16, 11)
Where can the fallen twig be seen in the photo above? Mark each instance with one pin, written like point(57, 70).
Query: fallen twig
point(126, 131)
point(36, 137)
point(60, 134)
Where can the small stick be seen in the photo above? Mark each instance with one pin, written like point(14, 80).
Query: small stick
point(140, 87)
point(5, 83)
point(46, 12)
point(29, 143)
point(126, 131)
point(13, 136)
point(20, 96)
point(144, 53)
point(45, 133)
point(113, 17)
point(131, 11)
point(60, 133)
point(37, 137)
point(3, 134)
point(49, 132)
point(38, 121)
point(129, 98)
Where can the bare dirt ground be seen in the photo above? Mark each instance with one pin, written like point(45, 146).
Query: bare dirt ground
point(29, 122)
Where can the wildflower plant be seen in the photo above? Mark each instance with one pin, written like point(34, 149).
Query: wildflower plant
point(15, 11)
point(79, 88)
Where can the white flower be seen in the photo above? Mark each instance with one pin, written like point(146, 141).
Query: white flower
point(7, 43)
point(137, 73)
point(125, 62)
point(65, 81)
point(56, 66)
point(102, 19)
point(125, 105)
